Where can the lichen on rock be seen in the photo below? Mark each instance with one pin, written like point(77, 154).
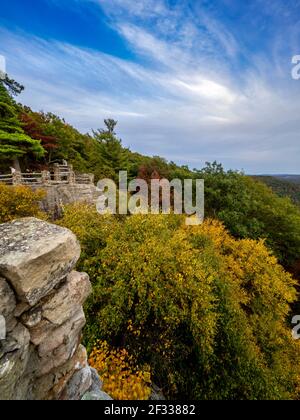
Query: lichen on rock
point(41, 300)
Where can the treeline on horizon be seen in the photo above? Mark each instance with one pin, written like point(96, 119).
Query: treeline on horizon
point(245, 205)
point(205, 311)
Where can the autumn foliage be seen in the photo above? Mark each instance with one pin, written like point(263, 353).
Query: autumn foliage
point(35, 126)
point(121, 378)
point(19, 201)
point(207, 312)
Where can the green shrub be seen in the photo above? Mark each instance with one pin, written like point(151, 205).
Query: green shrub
point(205, 311)
point(250, 209)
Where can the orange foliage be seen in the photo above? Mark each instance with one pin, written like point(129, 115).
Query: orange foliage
point(121, 379)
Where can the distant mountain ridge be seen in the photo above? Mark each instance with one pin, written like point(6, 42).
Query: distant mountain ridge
point(284, 177)
point(283, 185)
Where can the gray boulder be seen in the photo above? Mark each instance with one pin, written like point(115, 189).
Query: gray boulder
point(35, 256)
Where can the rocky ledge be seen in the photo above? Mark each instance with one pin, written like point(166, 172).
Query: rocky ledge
point(41, 315)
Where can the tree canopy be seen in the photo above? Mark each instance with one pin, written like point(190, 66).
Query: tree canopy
point(250, 209)
point(14, 143)
point(207, 308)
point(206, 311)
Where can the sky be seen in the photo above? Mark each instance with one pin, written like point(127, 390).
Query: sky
point(189, 80)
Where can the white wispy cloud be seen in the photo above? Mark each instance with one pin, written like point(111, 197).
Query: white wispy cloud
point(142, 8)
point(179, 99)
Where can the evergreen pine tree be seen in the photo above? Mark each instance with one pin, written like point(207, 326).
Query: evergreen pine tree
point(14, 143)
point(113, 155)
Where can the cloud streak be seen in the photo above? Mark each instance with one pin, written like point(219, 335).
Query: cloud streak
point(180, 98)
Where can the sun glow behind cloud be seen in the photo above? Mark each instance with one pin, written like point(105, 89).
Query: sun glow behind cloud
point(192, 93)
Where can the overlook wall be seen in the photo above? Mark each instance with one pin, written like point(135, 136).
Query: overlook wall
point(62, 186)
point(41, 315)
point(59, 195)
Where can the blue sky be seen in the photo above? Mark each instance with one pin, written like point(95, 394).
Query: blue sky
point(192, 81)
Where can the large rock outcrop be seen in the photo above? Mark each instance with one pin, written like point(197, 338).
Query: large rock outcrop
point(41, 315)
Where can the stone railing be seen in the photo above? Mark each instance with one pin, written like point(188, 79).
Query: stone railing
point(41, 315)
point(59, 175)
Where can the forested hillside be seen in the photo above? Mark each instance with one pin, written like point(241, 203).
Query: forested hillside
point(290, 178)
point(246, 206)
point(201, 311)
point(284, 186)
point(99, 152)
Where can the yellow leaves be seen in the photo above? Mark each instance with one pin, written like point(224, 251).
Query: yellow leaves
point(19, 201)
point(214, 229)
point(250, 265)
point(136, 331)
point(121, 379)
point(176, 293)
point(147, 377)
